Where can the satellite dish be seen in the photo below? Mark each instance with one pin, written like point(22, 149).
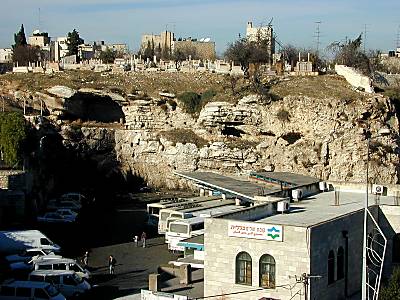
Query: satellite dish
point(37, 31)
point(207, 40)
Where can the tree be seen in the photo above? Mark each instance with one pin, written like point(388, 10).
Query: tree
point(108, 56)
point(350, 54)
point(248, 52)
point(178, 57)
point(12, 135)
point(26, 54)
point(73, 42)
point(148, 52)
point(20, 38)
point(392, 290)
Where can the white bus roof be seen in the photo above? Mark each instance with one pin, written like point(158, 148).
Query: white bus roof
point(181, 202)
point(190, 221)
point(192, 207)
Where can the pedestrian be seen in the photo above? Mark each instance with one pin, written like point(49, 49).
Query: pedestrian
point(143, 238)
point(86, 258)
point(136, 240)
point(111, 264)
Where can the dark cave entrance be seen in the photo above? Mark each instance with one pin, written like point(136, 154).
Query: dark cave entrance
point(92, 107)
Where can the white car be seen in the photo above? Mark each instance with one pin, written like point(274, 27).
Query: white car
point(27, 264)
point(67, 213)
point(55, 204)
point(27, 254)
point(53, 217)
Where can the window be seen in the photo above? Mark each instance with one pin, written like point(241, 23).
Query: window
point(60, 266)
point(68, 280)
point(396, 249)
point(243, 268)
point(340, 263)
point(23, 292)
point(41, 294)
point(44, 241)
point(7, 291)
point(331, 267)
point(267, 271)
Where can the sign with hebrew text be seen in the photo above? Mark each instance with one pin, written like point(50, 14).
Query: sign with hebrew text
point(257, 231)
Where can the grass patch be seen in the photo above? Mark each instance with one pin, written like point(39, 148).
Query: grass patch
point(239, 143)
point(183, 136)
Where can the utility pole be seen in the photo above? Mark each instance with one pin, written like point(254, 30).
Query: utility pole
point(398, 38)
point(365, 36)
point(305, 280)
point(39, 19)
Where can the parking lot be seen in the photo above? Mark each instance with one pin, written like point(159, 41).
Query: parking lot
point(108, 228)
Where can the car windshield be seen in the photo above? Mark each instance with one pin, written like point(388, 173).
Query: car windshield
point(51, 290)
point(77, 278)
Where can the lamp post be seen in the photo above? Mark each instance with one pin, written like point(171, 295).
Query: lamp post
point(364, 287)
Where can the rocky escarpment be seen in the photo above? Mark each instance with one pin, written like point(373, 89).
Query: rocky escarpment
point(325, 137)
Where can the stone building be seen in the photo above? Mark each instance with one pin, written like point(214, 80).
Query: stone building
point(14, 185)
point(164, 41)
point(321, 236)
point(39, 39)
point(262, 33)
point(6, 55)
point(203, 49)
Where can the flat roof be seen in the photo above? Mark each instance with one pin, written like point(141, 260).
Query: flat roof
point(321, 208)
point(287, 178)
point(234, 186)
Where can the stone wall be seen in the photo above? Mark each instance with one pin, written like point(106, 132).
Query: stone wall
point(204, 50)
point(355, 78)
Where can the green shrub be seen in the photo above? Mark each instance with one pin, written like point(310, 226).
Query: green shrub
point(208, 95)
point(172, 103)
point(13, 132)
point(191, 102)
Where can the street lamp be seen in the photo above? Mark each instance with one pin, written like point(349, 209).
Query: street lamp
point(364, 286)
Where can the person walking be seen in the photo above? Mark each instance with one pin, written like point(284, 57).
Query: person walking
point(111, 264)
point(136, 240)
point(86, 258)
point(143, 238)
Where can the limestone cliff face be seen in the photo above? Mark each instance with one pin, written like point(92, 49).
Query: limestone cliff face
point(325, 138)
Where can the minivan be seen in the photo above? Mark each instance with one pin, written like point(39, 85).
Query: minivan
point(69, 283)
point(27, 290)
point(61, 264)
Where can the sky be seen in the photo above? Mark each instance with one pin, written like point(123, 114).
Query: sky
point(124, 21)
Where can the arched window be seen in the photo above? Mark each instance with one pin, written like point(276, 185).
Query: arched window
point(396, 249)
point(243, 268)
point(267, 271)
point(340, 263)
point(331, 267)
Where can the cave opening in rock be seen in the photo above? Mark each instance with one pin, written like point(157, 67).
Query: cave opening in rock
point(92, 107)
point(232, 131)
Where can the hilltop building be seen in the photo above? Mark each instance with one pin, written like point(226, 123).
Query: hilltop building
point(6, 55)
point(262, 33)
point(40, 39)
point(204, 48)
point(163, 41)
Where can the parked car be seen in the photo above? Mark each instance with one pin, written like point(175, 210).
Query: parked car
point(78, 197)
point(53, 217)
point(60, 264)
point(67, 213)
point(27, 290)
point(69, 283)
point(12, 242)
point(27, 254)
point(27, 264)
point(55, 204)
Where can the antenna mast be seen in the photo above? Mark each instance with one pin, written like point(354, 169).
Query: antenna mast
point(318, 35)
point(39, 20)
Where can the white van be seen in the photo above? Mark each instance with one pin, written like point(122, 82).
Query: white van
point(69, 283)
point(12, 242)
point(61, 264)
point(27, 290)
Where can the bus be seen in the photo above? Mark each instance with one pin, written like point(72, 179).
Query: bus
point(183, 229)
point(188, 210)
point(153, 209)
